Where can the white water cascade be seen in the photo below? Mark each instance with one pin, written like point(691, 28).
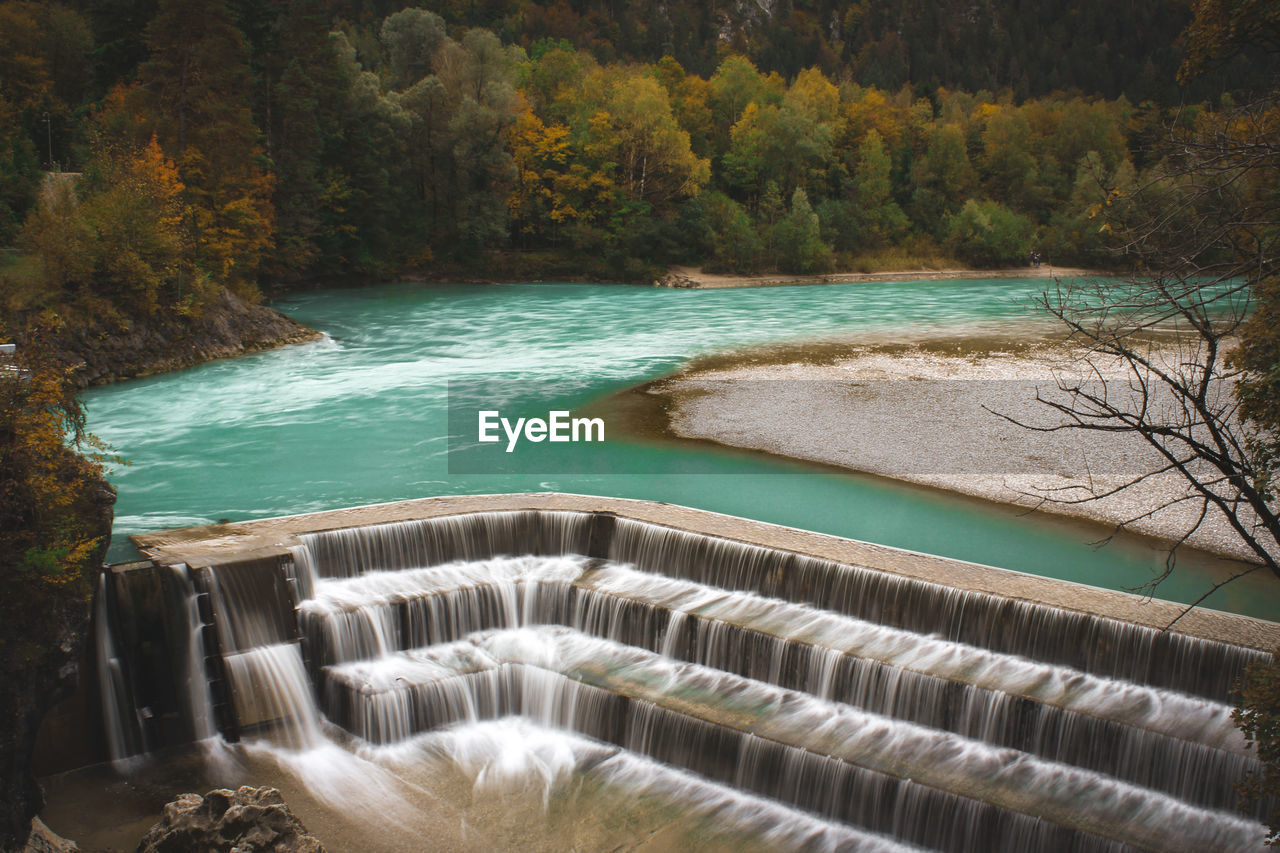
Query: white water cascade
point(760, 688)
point(119, 728)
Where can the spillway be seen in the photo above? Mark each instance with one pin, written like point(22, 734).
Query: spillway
point(820, 693)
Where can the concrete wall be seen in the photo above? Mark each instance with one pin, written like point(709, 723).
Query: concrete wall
point(224, 543)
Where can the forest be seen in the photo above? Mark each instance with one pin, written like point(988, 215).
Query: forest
point(158, 154)
point(154, 153)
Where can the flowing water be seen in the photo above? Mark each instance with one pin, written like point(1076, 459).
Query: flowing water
point(736, 695)
point(362, 417)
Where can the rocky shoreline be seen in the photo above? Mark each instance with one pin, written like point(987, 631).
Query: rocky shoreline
point(106, 350)
point(694, 278)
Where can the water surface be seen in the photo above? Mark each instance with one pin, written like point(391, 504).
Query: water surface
point(361, 417)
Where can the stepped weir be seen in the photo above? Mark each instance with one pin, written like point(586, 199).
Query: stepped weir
point(832, 694)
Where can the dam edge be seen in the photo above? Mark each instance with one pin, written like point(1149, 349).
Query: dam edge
point(213, 545)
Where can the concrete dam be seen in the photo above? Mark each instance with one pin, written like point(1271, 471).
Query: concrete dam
point(825, 693)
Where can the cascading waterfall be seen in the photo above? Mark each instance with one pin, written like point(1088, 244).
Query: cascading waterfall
point(878, 706)
point(271, 689)
point(1085, 642)
point(121, 734)
point(195, 683)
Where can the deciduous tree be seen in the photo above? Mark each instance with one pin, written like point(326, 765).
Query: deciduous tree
point(655, 162)
point(192, 89)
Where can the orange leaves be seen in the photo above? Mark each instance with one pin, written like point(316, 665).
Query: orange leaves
point(47, 534)
point(550, 186)
point(157, 171)
point(139, 216)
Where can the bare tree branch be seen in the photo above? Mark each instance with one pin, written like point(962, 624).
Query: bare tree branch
point(1200, 230)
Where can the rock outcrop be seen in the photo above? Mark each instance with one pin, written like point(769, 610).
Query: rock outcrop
point(44, 840)
point(38, 672)
point(676, 279)
point(248, 820)
point(110, 349)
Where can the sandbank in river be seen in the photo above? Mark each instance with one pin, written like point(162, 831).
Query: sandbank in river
point(935, 413)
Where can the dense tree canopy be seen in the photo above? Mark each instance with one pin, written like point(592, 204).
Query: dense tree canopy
point(297, 140)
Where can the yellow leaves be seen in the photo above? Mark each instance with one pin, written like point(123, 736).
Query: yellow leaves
point(985, 112)
point(59, 564)
point(813, 95)
point(873, 111)
point(233, 218)
point(534, 144)
point(655, 160)
point(746, 124)
point(541, 154)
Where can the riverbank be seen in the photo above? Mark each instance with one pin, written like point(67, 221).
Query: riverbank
point(694, 278)
point(101, 350)
point(939, 413)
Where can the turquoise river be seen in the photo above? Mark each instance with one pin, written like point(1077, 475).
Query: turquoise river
point(363, 417)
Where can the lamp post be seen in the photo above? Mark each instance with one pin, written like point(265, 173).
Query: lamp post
point(48, 130)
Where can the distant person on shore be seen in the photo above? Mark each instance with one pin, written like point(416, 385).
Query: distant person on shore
point(1035, 260)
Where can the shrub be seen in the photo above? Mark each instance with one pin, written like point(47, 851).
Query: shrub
point(988, 234)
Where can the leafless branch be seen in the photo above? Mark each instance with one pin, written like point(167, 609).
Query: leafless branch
point(1200, 228)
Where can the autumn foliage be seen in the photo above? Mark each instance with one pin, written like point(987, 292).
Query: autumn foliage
point(1258, 717)
point(255, 145)
point(51, 520)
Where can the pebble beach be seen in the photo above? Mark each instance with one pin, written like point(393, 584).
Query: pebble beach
point(942, 414)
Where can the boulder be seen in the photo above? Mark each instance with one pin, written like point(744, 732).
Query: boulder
point(44, 840)
point(248, 820)
point(676, 279)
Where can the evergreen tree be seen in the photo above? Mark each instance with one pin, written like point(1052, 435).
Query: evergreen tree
point(798, 239)
point(306, 100)
point(880, 221)
point(193, 89)
point(369, 210)
point(943, 179)
point(19, 172)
